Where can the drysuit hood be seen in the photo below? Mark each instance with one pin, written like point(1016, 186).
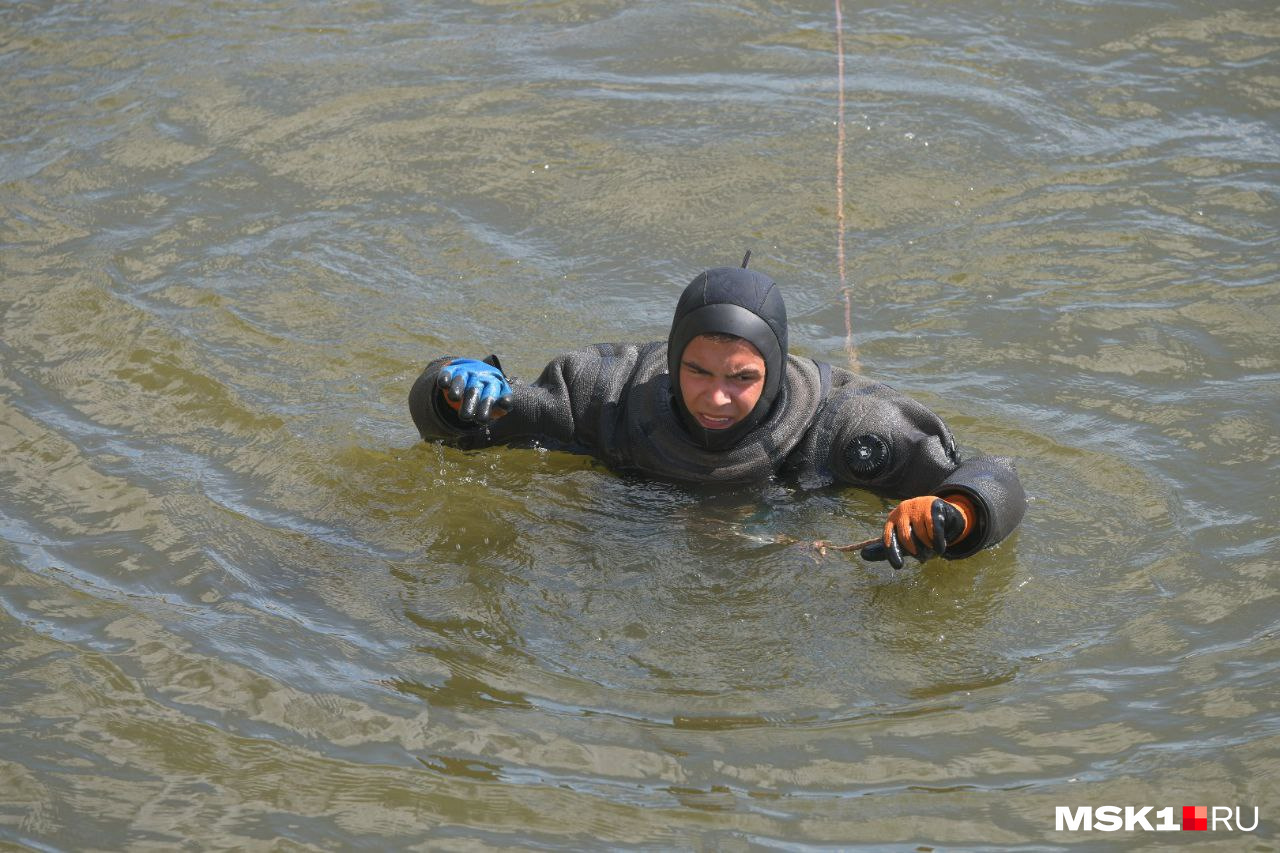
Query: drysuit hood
point(730, 300)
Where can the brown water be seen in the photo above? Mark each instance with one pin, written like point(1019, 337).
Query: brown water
point(241, 607)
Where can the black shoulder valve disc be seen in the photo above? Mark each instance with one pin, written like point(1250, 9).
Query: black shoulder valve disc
point(867, 455)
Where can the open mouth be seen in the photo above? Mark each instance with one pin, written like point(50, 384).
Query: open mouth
point(710, 422)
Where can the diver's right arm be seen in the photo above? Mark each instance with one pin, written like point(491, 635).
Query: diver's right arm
point(551, 408)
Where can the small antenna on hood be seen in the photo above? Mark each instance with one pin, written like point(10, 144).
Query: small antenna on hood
point(746, 258)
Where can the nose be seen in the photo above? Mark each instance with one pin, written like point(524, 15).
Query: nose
point(720, 396)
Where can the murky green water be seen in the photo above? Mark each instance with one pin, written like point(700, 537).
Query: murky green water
point(240, 606)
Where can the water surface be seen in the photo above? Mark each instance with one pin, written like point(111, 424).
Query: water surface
point(242, 607)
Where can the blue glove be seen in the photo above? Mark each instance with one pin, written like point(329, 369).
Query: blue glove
point(476, 390)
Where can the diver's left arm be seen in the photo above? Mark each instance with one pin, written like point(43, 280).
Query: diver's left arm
point(892, 445)
point(977, 505)
point(989, 494)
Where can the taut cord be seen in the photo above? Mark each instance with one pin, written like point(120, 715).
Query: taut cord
point(849, 349)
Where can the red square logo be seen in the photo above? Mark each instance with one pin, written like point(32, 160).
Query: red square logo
point(1195, 817)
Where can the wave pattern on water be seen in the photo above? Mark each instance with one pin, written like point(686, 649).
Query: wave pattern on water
point(242, 607)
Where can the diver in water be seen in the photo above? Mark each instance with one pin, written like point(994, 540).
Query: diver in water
point(721, 400)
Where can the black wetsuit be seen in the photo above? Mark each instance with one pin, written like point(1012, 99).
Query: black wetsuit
point(817, 424)
point(614, 401)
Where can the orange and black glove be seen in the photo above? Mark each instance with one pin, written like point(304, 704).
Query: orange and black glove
point(922, 527)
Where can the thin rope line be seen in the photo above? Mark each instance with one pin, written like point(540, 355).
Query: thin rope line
point(849, 348)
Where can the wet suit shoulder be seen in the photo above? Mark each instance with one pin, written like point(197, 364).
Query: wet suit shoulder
point(866, 434)
point(614, 401)
point(574, 403)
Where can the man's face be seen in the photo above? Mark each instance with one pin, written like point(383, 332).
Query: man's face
point(720, 381)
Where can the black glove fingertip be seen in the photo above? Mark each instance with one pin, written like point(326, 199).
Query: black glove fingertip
point(955, 522)
point(939, 525)
point(484, 410)
point(468, 409)
point(873, 553)
point(894, 552)
point(457, 385)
